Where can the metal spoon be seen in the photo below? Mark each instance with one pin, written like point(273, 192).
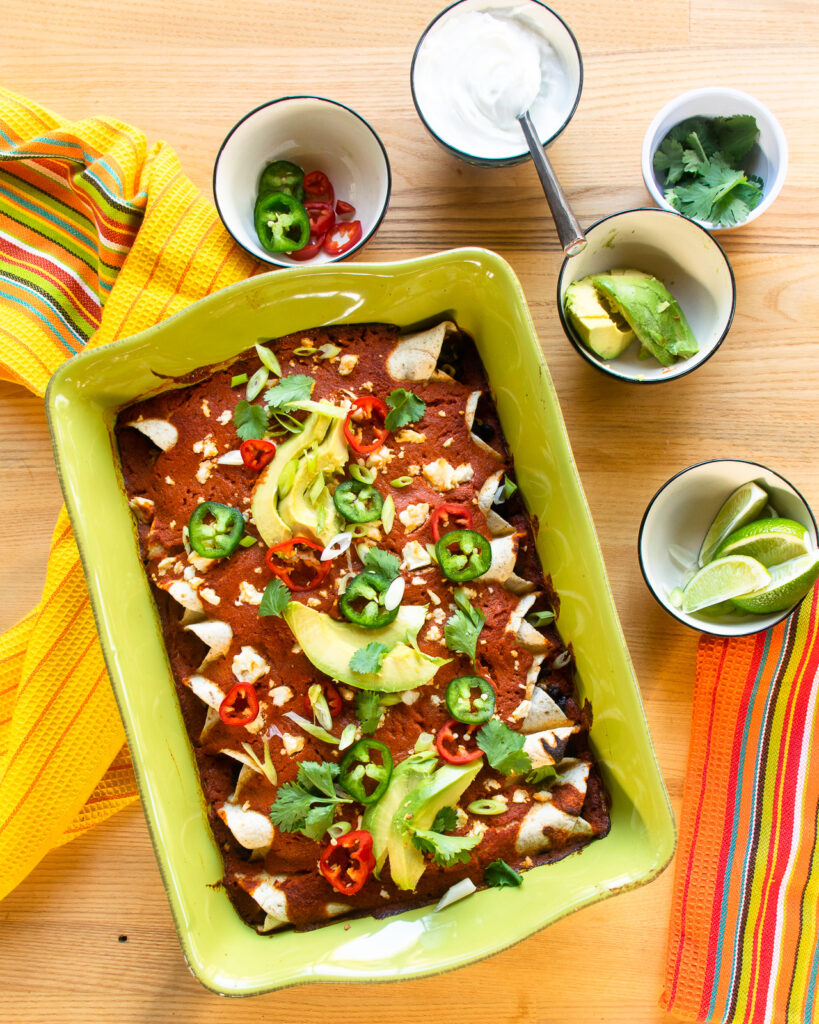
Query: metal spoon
point(569, 231)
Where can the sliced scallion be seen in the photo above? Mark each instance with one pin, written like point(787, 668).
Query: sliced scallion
point(401, 481)
point(538, 619)
point(348, 735)
point(256, 383)
point(363, 474)
point(339, 829)
point(490, 806)
point(240, 378)
point(288, 475)
point(388, 514)
point(314, 730)
point(305, 350)
point(265, 767)
point(269, 360)
point(321, 708)
point(247, 541)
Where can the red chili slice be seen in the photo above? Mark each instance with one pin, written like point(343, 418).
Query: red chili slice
point(331, 695)
point(348, 862)
point(307, 252)
point(342, 237)
point(375, 407)
point(257, 452)
point(450, 517)
point(344, 209)
point(240, 706)
point(287, 567)
point(317, 188)
point(448, 738)
point(322, 217)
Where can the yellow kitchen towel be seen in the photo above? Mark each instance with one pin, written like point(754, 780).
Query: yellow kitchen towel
point(101, 236)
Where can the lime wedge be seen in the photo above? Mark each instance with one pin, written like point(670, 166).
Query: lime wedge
point(741, 507)
point(770, 541)
point(789, 584)
point(734, 576)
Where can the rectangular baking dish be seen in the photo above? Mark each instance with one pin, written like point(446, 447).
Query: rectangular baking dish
point(477, 289)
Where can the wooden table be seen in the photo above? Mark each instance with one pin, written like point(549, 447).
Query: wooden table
point(185, 72)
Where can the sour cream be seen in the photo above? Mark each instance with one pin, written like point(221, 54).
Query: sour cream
point(476, 71)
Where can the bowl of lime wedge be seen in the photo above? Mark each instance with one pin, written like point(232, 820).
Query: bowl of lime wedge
point(729, 547)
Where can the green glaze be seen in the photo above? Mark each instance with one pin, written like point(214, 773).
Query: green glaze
point(480, 291)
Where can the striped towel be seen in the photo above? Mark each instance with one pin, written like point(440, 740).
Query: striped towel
point(100, 237)
point(743, 945)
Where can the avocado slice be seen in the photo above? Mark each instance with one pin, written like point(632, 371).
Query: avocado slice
point(603, 332)
point(651, 311)
point(418, 808)
point(378, 817)
point(301, 515)
point(330, 644)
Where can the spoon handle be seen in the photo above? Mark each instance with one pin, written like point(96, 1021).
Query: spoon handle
point(569, 231)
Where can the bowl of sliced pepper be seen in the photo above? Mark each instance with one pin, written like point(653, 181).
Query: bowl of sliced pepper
point(301, 179)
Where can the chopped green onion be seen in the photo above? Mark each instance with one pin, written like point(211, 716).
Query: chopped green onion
point(266, 766)
point(247, 541)
point(240, 378)
point(388, 514)
point(256, 383)
point(288, 476)
point(288, 422)
point(433, 554)
point(328, 351)
point(361, 550)
point(388, 699)
point(348, 735)
point(305, 350)
point(424, 742)
point(339, 829)
point(311, 459)
point(363, 474)
point(509, 488)
point(487, 807)
point(401, 481)
point(541, 618)
point(321, 708)
point(269, 360)
point(314, 730)
point(315, 489)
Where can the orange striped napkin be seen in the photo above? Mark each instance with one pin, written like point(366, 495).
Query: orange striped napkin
point(100, 237)
point(743, 946)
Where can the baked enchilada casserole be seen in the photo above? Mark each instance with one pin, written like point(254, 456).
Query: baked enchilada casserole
point(361, 634)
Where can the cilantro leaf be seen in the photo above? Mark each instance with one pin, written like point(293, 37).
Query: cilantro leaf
point(321, 775)
point(669, 159)
point(385, 563)
point(299, 808)
point(369, 658)
point(405, 407)
point(445, 820)
point(319, 818)
point(503, 748)
point(446, 851)
point(546, 771)
point(462, 629)
point(295, 388)
point(275, 599)
point(736, 135)
point(499, 874)
point(368, 709)
point(250, 420)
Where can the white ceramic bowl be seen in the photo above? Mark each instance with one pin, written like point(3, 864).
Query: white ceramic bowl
point(552, 27)
point(317, 134)
point(678, 516)
point(684, 257)
point(768, 159)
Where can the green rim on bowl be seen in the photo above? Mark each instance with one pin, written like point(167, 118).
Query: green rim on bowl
point(480, 291)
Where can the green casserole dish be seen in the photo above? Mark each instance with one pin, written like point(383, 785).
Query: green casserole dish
point(479, 291)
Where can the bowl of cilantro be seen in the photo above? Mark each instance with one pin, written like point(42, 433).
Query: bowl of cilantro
point(716, 155)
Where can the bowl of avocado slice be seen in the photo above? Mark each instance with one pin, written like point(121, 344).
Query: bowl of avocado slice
point(650, 299)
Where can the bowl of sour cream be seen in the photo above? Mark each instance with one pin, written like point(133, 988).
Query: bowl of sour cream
point(481, 63)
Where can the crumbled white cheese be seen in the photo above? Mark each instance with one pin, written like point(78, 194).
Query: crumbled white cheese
point(280, 695)
point(248, 594)
point(443, 476)
point(204, 471)
point(205, 407)
point(418, 581)
point(166, 565)
point(292, 744)
point(207, 447)
point(433, 633)
point(410, 437)
point(409, 696)
point(224, 417)
point(520, 796)
point(413, 469)
point(438, 614)
point(314, 602)
point(461, 817)
point(381, 458)
point(435, 699)
point(200, 562)
point(209, 595)
point(346, 692)
point(248, 665)
point(189, 573)
point(144, 508)
point(491, 784)
point(477, 828)
point(169, 480)
point(520, 712)
point(347, 364)
point(414, 555)
point(414, 516)
point(448, 442)
point(434, 597)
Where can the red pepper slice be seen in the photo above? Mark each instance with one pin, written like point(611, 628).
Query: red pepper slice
point(343, 237)
point(285, 569)
point(240, 706)
point(454, 517)
point(322, 217)
point(348, 862)
point(448, 738)
point(307, 252)
point(317, 188)
point(375, 407)
point(344, 209)
point(257, 452)
point(333, 698)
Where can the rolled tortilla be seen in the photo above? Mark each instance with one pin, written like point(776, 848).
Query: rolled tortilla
point(415, 356)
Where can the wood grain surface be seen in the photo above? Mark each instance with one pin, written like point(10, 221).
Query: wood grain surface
point(88, 937)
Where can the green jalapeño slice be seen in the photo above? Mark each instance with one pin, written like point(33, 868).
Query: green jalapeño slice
point(357, 501)
point(364, 776)
point(281, 222)
point(215, 530)
point(363, 601)
point(470, 699)
point(463, 555)
point(282, 176)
